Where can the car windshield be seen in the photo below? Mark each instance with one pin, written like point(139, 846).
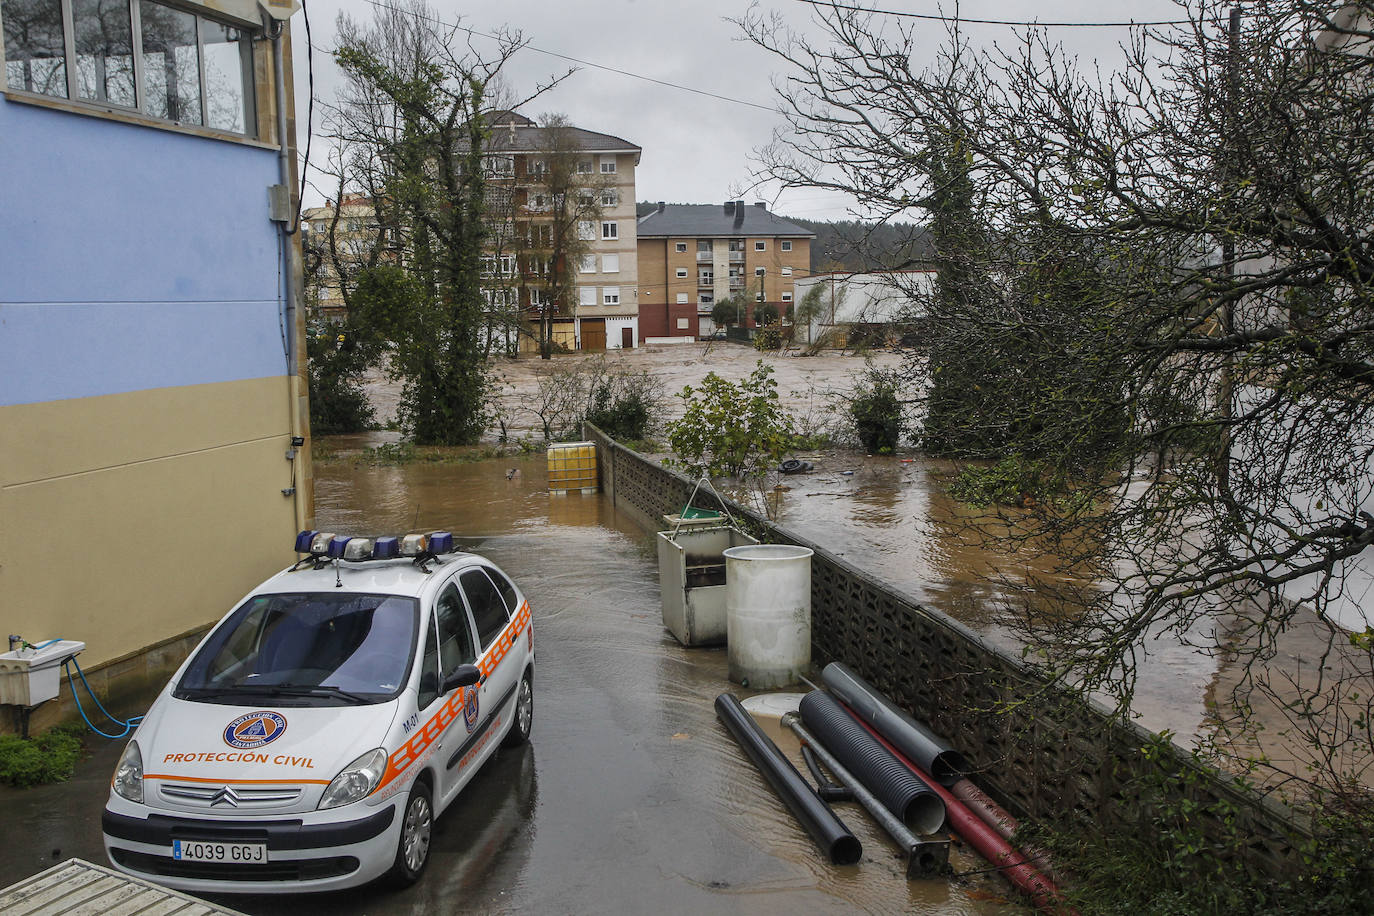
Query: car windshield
point(309, 649)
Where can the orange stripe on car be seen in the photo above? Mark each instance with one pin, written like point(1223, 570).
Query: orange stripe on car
point(413, 749)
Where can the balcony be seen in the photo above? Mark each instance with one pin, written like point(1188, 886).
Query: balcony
point(737, 257)
point(706, 280)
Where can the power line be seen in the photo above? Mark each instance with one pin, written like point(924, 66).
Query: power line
point(964, 20)
point(586, 63)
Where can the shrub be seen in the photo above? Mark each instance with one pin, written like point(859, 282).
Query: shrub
point(624, 406)
point(768, 338)
point(734, 430)
point(49, 757)
point(875, 407)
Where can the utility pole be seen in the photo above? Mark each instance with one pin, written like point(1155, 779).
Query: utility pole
point(1226, 392)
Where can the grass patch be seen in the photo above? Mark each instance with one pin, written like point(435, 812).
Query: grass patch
point(49, 757)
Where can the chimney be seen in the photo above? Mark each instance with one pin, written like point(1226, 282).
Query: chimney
point(660, 206)
point(511, 125)
point(729, 207)
point(761, 205)
point(739, 213)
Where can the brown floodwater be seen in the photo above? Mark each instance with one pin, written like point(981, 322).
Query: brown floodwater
point(631, 796)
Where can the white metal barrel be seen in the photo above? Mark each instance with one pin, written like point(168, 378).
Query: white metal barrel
point(768, 613)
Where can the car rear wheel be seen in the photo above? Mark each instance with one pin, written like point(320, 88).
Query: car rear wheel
point(417, 827)
point(524, 714)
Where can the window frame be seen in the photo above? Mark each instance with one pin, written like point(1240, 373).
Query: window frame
point(681, 247)
point(786, 245)
point(610, 295)
point(255, 92)
point(612, 227)
point(760, 245)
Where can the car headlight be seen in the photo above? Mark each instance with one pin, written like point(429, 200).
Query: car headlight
point(128, 775)
point(355, 781)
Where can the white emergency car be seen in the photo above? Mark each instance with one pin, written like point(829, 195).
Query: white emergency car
point(316, 732)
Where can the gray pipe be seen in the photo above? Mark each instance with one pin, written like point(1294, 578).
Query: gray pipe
point(923, 857)
point(929, 751)
point(829, 832)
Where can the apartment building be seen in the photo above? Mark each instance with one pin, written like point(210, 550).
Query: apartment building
point(602, 312)
point(692, 256)
point(356, 241)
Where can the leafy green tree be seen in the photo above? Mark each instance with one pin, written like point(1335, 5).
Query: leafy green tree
point(727, 312)
point(412, 127)
point(732, 430)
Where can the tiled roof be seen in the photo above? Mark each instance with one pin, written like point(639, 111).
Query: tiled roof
point(517, 134)
point(733, 219)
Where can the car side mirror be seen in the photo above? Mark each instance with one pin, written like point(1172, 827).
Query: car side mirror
point(462, 676)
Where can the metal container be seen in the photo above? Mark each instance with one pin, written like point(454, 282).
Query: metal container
point(691, 577)
point(768, 613)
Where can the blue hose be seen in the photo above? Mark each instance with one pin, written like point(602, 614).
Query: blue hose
point(128, 725)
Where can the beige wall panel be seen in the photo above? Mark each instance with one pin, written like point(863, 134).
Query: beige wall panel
point(127, 557)
point(55, 438)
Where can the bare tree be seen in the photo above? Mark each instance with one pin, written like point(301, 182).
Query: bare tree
point(1155, 293)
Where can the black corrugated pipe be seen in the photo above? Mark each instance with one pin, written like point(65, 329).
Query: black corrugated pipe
point(829, 832)
point(899, 789)
point(926, 749)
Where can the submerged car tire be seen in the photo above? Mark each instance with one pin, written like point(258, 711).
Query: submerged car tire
point(417, 831)
point(524, 714)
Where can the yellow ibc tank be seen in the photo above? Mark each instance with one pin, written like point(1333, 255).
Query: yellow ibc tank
point(572, 466)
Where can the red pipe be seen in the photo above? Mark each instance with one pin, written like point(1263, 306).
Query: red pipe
point(996, 817)
point(972, 830)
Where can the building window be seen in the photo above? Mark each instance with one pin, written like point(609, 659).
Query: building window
point(682, 273)
point(787, 271)
point(586, 230)
point(681, 298)
point(195, 71)
point(584, 166)
point(587, 265)
point(760, 271)
point(760, 245)
point(610, 263)
point(586, 295)
point(537, 168)
point(539, 201)
point(498, 166)
point(703, 245)
point(610, 230)
point(586, 197)
point(681, 247)
point(706, 299)
point(759, 297)
point(507, 265)
point(786, 297)
point(608, 165)
point(786, 246)
point(610, 197)
point(682, 324)
point(610, 295)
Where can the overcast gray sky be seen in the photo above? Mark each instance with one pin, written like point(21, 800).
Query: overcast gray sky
point(697, 149)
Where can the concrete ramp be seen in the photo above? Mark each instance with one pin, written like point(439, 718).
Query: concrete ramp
point(80, 887)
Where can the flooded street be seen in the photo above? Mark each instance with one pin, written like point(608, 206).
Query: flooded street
point(631, 797)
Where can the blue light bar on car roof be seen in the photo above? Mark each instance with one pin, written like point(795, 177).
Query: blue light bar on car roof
point(303, 541)
point(386, 548)
point(440, 542)
point(336, 547)
point(319, 544)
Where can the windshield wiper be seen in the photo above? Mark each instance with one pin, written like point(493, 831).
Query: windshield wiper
point(313, 690)
point(269, 690)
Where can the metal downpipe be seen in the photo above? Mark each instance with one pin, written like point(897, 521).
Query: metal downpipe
point(900, 790)
point(829, 832)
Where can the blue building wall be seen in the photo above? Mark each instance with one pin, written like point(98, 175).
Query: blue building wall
point(132, 258)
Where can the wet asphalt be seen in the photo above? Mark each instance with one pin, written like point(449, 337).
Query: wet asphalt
point(631, 798)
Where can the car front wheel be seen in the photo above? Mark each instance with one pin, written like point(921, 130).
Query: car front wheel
point(417, 827)
point(524, 714)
